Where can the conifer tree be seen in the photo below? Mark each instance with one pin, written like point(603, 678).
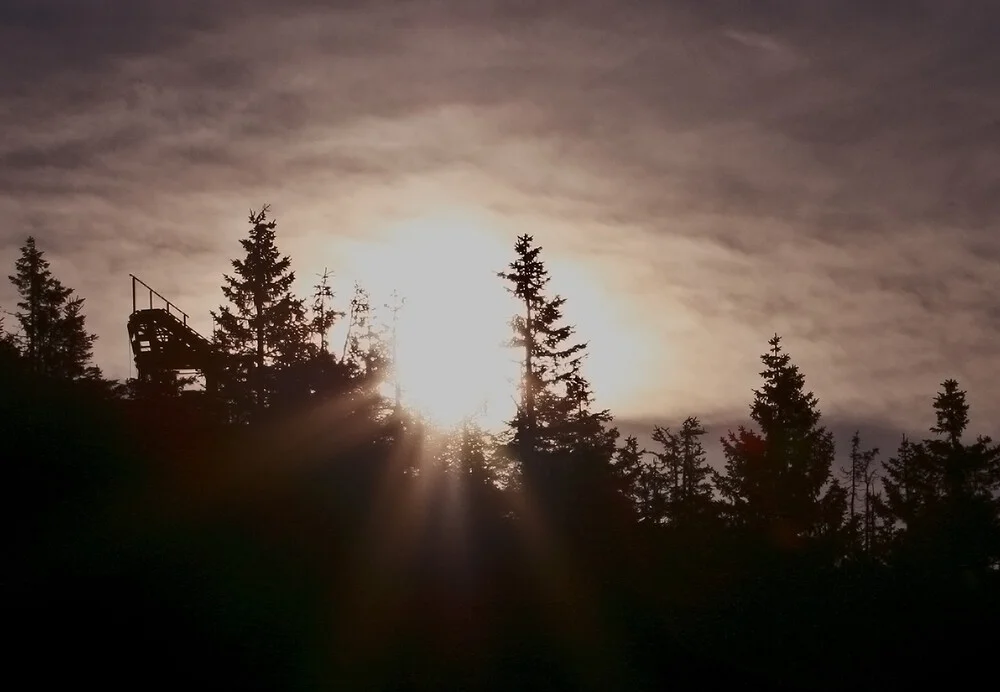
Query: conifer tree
point(324, 315)
point(471, 453)
point(264, 327)
point(966, 471)
point(956, 519)
point(774, 479)
point(324, 374)
point(555, 415)
point(907, 485)
point(669, 465)
point(55, 341)
point(536, 332)
point(639, 480)
point(365, 344)
point(687, 473)
point(9, 354)
point(860, 478)
point(579, 427)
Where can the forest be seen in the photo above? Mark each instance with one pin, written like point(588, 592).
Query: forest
point(295, 526)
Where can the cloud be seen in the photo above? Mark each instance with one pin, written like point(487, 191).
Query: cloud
point(724, 170)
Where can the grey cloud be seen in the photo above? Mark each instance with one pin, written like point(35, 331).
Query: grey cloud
point(823, 169)
point(887, 108)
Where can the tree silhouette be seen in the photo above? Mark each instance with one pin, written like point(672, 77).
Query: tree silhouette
point(639, 480)
point(860, 477)
point(555, 414)
point(55, 341)
point(544, 343)
point(548, 553)
point(264, 328)
point(9, 354)
point(962, 503)
point(689, 492)
point(324, 315)
point(908, 487)
point(774, 480)
point(7, 341)
point(564, 445)
point(471, 453)
point(365, 345)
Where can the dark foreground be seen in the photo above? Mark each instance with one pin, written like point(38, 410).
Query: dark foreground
point(146, 552)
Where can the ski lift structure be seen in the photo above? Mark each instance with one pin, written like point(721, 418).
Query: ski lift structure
point(164, 345)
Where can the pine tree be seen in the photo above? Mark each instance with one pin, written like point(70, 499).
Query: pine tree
point(264, 327)
point(870, 530)
point(907, 485)
point(967, 484)
point(682, 457)
point(470, 452)
point(544, 342)
point(563, 444)
point(774, 479)
point(579, 427)
point(324, 315)
point(940, 494)
point(9, 355)
point(670, 465)
point(555, 415)
point(55, 341)
point(639, 480)
point(860, 477)
point(365, 344)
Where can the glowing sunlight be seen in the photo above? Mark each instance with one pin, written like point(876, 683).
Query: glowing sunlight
point(452, 363)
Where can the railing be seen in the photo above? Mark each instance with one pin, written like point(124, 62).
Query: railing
point(152, 292)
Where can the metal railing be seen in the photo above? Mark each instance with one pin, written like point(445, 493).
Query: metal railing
point(170, 306)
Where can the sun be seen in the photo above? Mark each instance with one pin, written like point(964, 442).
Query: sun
point(451, 361)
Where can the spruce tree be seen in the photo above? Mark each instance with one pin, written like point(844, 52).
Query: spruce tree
point(555, 415)
point(908, 487)
point(580, 427)
point(470, 452)
point(323, 313)
point(324, 375)
point(774, 479)
point(55, 341)
point(962, 516)
point(544, 343)
point(365, 343)
point(9, 355)
point(264, 328)
point(669, 465)
point(860, 477)
point(687, 473)
point(563, 444)
point(939, 493)
point(638, 480)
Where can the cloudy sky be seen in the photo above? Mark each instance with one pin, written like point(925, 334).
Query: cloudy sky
point(716, 170)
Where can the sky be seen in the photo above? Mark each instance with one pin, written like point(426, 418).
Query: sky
point(701, 174)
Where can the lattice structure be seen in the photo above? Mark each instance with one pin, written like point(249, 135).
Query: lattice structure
point(164, 345)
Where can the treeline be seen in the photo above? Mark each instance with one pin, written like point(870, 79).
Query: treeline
point(552, 550)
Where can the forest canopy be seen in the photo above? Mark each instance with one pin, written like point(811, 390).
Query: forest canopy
point(299, 497)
